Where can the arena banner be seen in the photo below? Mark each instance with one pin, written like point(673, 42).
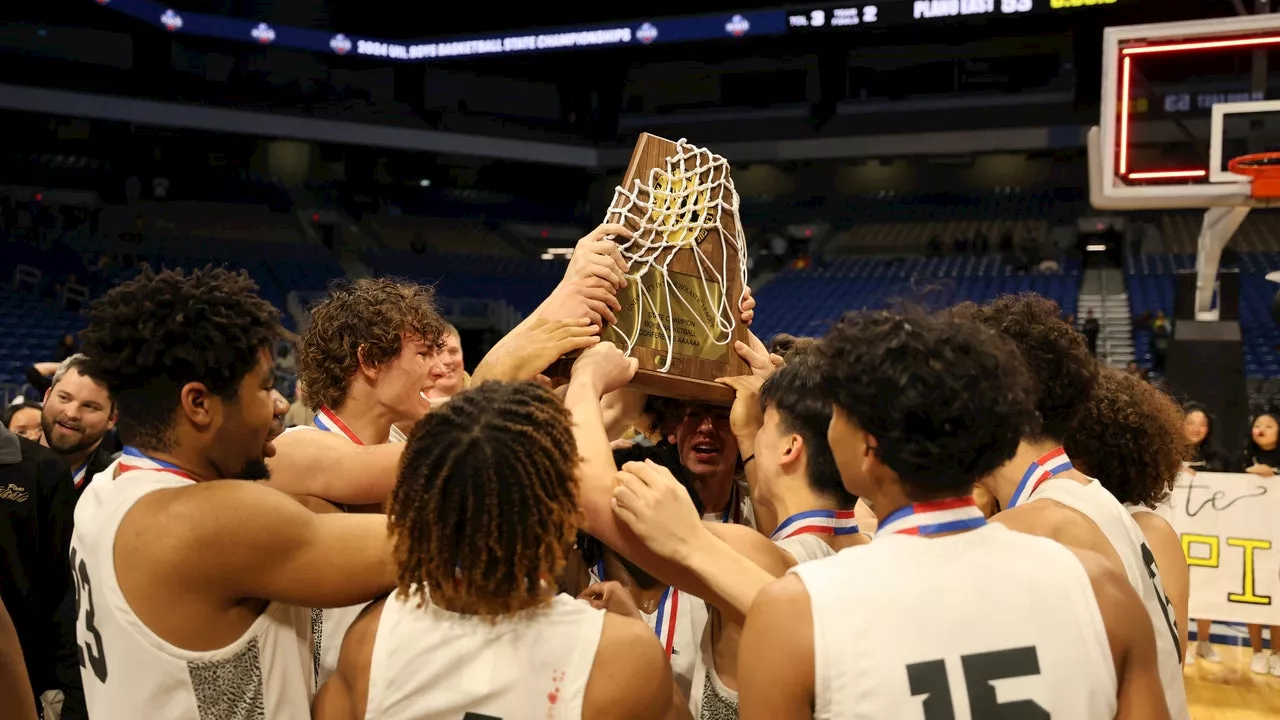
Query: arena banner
point(1230, 529)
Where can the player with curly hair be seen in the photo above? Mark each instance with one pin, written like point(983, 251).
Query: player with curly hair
point(923, 407)
point(365, 361)
point(1131, 439)
point(1041, 491)
point(483, 514)
point(193, 590)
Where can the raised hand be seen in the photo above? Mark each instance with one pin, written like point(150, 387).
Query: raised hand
point(610, 596)
point(657, 508)
point(748, 308)
point(758, 358)
point(597, 255)
point(524, 354)
point(592, 298)
point(606, 367)
point(745, 417)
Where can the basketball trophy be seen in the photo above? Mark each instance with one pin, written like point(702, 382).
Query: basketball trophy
point(688, 275)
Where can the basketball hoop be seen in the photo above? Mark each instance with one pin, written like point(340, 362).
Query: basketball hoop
point(1264, 168)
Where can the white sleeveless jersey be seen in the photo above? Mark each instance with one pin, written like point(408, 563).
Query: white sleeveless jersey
point(739, 509)
point(957, 623)
point(711, 699)
point(130, 672)
point(679, 620)
point(1122, 531)
point(431, 664)
point(328, 625)
point(805, 547)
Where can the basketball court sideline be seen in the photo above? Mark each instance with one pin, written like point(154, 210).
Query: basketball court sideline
point(1228, 691)
point(1159, 146)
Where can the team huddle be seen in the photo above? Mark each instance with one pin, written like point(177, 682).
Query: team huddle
point(914, 516)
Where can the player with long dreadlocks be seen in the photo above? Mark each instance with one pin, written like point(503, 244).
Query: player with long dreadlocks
point(483, 514)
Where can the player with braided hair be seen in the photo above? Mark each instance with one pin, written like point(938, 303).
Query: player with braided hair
point(483, 513)
point(499, 468)
point(194, 591)
point(366, 361)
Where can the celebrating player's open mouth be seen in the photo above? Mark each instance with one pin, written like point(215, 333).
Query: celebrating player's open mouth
point(706, 450)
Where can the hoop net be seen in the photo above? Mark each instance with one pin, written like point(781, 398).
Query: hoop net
point(672, 210)
point(1264, 168)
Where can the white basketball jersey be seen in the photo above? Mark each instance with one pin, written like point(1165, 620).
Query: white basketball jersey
point(805, 548)
point(431, 664)
point(130, 672)
point(681, 617)
point(738, 510)
point(1115, 521)
point(711, 699)
point(678, 624)
point(329, 625)
point(966, 626)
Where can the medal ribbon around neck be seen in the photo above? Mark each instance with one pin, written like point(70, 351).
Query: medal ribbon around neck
point(817, 522)
point(665, 627)
point(329, 421)
point(78, 476)
point(139, 460)
point(934, 517)
point(733, 508)
point(1054, 462)
point(668, 608)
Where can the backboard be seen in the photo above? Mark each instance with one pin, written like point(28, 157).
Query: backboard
point(1178, 103)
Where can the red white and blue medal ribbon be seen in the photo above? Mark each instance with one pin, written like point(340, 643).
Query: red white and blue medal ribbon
point(668, 608)
point(665, 626)
point(77, 477)
point(1054, 462)
point(138, 460)
point(329, 421)
point(934, 518)
point(817, 522)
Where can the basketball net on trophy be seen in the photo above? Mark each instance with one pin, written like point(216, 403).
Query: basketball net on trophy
point(687, 276)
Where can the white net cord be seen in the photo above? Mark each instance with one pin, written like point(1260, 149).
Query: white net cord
point(675, 207)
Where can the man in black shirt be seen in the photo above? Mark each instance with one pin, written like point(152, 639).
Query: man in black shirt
point(37, 500)
point(78, 419)
point(1091, 331)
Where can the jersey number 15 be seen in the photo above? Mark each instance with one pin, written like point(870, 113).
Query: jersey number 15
point(981, 670)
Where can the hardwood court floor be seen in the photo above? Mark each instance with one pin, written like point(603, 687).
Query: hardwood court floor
point(1228, 691)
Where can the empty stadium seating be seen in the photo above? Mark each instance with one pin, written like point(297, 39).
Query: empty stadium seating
point(29, 333)
point(522, 282)
point(1150, 280)
point(805, 302)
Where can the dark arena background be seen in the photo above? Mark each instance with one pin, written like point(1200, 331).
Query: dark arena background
point(885, 152)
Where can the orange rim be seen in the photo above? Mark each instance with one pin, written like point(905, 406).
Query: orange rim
point(1264, 168)
point(1265, 164)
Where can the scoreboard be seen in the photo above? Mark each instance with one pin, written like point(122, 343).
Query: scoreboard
point(906, 13)
point(783, 21)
